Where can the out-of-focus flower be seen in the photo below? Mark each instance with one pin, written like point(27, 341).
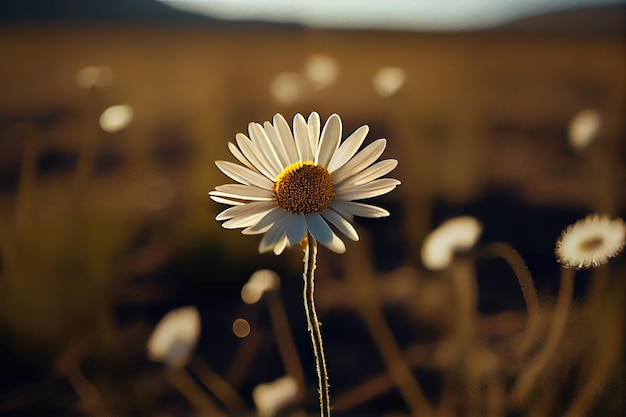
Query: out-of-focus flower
point(456, 234)
point(175, 337)
point(272, 397)
point(590, 242)
point(388, 80)
point(583, 128)
point(294, 183)
point(321, 70)
point(261, 281)
point(116, 118)
point(287, 87)
point(94, 77)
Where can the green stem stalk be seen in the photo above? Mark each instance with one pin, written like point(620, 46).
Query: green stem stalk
point(310, 254)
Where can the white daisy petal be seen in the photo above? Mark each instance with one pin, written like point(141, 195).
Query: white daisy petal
point(348, 148)
point(274, 235)
point(301, 134)
point(237, 154)
point(287, 139)
point(245, 209)
point(337, 206)
point(258, 136)
point(358, 209)
point(296, 229)
point(369, 174)
point(341, 224)
point(249, 151)
point(375, 192)
point(244, 175)
point(270, 218)
point(244, 189)
point(222, 200)
point(369, 190)
point(252, 230)
point(279, 247)
point(242, 192)
point(329, 142)
point(313, 124)
point(360, 161)
point(245, 220)
point(323, 233)
point(278, 144)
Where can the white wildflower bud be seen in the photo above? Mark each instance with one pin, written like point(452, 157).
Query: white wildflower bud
point(272, 397)
point(175, 337)
point(456, 234)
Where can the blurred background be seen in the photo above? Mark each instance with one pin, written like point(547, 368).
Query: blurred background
point(113, 112)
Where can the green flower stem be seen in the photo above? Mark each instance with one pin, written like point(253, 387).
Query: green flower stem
point(310, 254)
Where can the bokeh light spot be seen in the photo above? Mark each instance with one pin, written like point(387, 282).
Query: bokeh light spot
point(241, 328)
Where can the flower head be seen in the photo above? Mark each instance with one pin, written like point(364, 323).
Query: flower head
point(291, 183)
point(261, 281)
point(590, 242)
point(458, 233)
point(175, 337)
point(272, 397)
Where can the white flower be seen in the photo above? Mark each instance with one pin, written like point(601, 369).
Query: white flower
point(261, 281)
point(583, 128)
point(175, 337)
point(291, 183)
point(458, 233)
point(590, 242)
point(272, 397)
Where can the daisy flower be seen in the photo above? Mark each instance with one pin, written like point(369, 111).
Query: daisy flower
point(272, 397)
point(590, 242)
point(175, 337)
point(293, 183)
point(455, 234)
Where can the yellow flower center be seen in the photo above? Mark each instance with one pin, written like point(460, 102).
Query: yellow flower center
point(592, 244)
point(304, 188)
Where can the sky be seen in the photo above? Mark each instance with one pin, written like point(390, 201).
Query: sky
point(384, 14)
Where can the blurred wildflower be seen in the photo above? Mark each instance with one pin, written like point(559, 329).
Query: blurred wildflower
point(261, 281)
point(590, 242)
point(175, 337)
point(583, 128)
point(116, 118)
point(272, 397)
point(287, 87)
point(294, 183)
point(388, 81)
point(458, 233)
point(94, 76)
point(321, 70)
